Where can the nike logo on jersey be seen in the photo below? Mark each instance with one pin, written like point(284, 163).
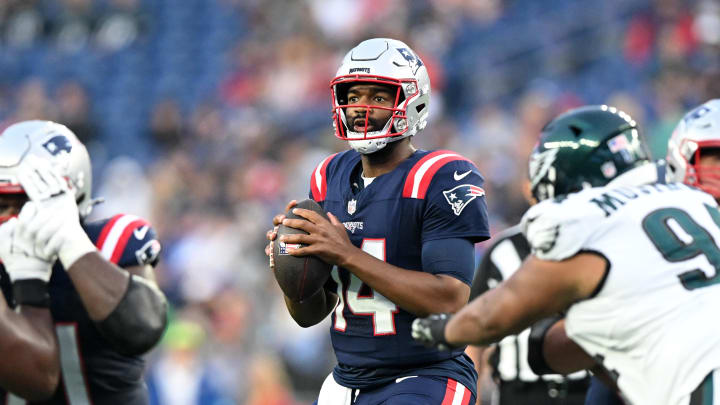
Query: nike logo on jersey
point(141, 232)
point(459, 177)
point(401, 379)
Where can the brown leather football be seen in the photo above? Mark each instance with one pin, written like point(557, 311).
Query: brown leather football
point(302, 276)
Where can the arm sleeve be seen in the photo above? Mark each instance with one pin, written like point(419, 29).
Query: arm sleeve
point(454, 257)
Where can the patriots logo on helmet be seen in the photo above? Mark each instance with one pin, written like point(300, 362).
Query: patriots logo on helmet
point(459, 197)
point(410, 57)
point(696, 113)
point(58, 144)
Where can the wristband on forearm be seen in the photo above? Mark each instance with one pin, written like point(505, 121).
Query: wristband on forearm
point(536, 358)
point(32, 292)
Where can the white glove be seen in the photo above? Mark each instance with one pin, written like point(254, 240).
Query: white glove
point(51, 219)
point(16, 254)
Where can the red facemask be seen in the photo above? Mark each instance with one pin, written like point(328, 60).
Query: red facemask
point(705, 177)
point(398, 116)
point(11, 189)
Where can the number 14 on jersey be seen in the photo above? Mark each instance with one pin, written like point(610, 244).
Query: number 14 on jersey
point(374, 304)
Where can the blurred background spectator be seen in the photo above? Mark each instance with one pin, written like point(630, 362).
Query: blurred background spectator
point(207, 116)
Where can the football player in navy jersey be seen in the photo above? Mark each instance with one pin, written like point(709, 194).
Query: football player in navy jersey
point(85, 290)
point(403, 224)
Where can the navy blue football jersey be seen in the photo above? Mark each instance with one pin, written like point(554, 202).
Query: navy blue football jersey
point(429, 196)
point(92, 372)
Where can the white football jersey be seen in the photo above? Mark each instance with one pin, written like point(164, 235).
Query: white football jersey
point(653, 320)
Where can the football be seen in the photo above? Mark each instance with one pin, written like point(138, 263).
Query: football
point(298, 277)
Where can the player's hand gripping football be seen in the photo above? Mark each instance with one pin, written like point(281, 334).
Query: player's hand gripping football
point(54, 223)
point(327, 240)
point(16, 252)
point(430, 331)
point(272, 234)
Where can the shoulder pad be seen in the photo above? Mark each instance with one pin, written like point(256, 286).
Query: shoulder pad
point(422, 173)
point(454, 200)
point(318, 179)
point(455, 186)
point(127, 240)
point(558, 229)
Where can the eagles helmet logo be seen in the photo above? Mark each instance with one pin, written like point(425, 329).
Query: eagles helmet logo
point(541, 167)
point(459, 197)
point(540, 164)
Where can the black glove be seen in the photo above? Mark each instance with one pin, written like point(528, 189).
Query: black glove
point(430, 331)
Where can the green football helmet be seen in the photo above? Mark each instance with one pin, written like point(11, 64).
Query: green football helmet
point(584, 147)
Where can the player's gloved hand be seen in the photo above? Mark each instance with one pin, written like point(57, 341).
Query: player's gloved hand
point(52, 222)
point(16, 254)
point(430, 331)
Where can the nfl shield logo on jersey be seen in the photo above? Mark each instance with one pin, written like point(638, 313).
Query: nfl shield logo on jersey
point(352, 206)
point(459, 197)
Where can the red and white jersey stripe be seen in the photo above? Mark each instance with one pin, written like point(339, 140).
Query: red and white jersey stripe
point(318, 180)
point(115, 234)
point(456, 394)
point(420, 176)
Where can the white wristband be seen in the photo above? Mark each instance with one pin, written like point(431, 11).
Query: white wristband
point(69, 253)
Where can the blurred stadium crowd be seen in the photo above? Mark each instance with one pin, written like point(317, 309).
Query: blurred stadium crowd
point(207, 116)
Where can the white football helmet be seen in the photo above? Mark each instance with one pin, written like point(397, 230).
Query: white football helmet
point(388, 62)
point(51, 141)
point(698, 130)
